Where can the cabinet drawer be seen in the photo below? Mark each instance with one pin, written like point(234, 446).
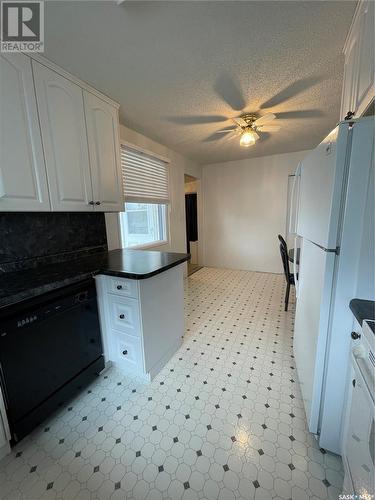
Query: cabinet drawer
point(124, 315)
point(122, 286)
point(127, 352)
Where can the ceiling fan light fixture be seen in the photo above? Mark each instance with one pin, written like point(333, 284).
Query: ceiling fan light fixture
point(247, 138)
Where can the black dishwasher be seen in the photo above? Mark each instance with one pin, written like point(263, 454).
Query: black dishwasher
point(50, 347)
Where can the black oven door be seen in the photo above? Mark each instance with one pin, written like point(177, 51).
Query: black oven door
point(45, 348)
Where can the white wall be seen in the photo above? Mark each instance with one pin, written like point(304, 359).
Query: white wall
point(244, 211)
point(178, 167)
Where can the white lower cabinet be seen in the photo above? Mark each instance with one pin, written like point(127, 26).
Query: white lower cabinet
point(358, 447)
point(141, 332)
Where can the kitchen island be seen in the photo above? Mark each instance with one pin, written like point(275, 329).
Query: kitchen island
point(66, 269)
point(141, 306)
point(140, 299)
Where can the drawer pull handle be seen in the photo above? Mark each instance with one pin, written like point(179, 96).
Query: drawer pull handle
point(122, 316)
point(125, 352)
point(119, 287)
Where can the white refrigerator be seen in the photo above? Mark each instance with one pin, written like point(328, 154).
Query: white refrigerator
point(332, 184)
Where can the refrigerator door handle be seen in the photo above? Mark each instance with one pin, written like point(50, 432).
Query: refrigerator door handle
point(329, 250)
point(295, 266)
point(292, 230)
point(292, 215)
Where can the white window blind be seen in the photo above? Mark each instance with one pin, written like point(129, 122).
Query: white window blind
point(145, 178)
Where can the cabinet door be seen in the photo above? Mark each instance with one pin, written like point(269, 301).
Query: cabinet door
point(23, 181)
point(365, 84)
point(62, 119)
point(103, 138)
point(350, 84)
point(360, 435)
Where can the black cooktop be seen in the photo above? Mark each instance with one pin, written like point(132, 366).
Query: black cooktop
point(134, 264)
point(363, 309)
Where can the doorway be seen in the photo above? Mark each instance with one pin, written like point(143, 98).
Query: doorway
point(191, 214)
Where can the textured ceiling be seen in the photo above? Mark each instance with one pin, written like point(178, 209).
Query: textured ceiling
point(181, 70)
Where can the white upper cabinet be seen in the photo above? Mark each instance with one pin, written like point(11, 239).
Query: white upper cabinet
point(59, 140)
point(358, 86)
point(366, 90)
point(62, 120)
point(102, 132)
point(23, 181)
point(348, 102)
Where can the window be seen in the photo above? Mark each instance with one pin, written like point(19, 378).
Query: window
point(143, 224)
point(146, 192)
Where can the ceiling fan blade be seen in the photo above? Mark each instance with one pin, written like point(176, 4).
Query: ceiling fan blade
point(214, 137)
point(229, 137)
point(196, 119)
point(225, 135)
point(292, 90)
point(225, 130)
point(302, 113)
point(269, 128)
point(256, 135)
point(228, 88)
point(233, 135)
point(264, 119)
point(240, 122)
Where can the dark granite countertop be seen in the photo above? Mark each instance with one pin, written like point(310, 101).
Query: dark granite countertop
point(134, 264)
point(139, 264)
point(363, 309)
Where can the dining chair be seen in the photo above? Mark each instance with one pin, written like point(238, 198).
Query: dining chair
point(283, 242)
point(288, 276)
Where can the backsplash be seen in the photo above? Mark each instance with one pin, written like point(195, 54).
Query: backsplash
point(29, 239)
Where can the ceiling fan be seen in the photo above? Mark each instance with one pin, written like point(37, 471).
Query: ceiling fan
point(248, 127)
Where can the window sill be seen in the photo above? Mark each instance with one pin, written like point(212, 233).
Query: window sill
point(148, 245)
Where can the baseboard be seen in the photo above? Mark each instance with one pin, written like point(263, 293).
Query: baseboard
point(5, 450)
point(164, 360)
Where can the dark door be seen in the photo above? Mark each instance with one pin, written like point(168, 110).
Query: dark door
point(191, 218)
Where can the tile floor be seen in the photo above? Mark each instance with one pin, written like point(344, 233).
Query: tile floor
point(223, 420)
